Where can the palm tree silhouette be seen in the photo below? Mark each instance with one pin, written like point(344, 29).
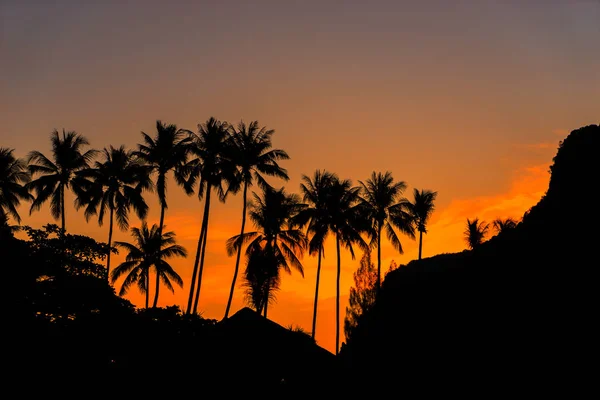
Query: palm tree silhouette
point(211, 169)
point(315, 193)
point(385, 207)
point(14, 177)
point(115, 184)
point(347, 222)
point(500, 225)
point(150, 249)
point(254, 156)
point(421, 209)
point(277, 243)
point(475, 232)
point(261, 280)
point(58, 175)
point(167, 151)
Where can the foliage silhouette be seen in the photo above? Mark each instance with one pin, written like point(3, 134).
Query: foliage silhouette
point(362, 295)
point(276, 244)
point(151, 249)
point(254, 157)
point(475, 232)
point(115, 184)
point(421, 208)
point(14, 177)
point(166, 152)
point(58, 174)
point(386, 209)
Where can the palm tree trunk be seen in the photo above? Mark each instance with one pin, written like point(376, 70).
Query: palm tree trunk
point(239, 253)
point(314, 324)
point(62, 207)
point(197, 261)
point(147, 288)
point(378, 258)
point(110, 231)
point(420, 243)
point(337, 297)
point(160, 229)
point(266, 298)
point(205, 223)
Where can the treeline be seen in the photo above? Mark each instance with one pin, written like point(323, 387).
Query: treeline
point(219, 159)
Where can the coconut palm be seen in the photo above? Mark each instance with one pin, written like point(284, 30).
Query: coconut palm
point(277, 243)
point(115, 184)
point(151, 249)
point(166, 152)
point(500, 225)
point(261, 280)
point(421, 209)
point(14, 177)
point(315, 192)
point(475, 232)
point(58, 175)
point(211, 169)
point(346, 222)
point(387, 210)
point(254, 157)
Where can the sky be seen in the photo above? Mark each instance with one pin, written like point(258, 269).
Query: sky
point(467, 98)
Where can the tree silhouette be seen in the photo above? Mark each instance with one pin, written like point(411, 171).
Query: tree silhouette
point(14, 177)
point(58, 175)
point(362, 295)
point(167, 151)
point(276, 244)
point(211, 169)
point(475, 232)
point(385, 207)
point(254, 156)
point(315, 193)
point(151, 249)
point(115, 184)
point(500, 225)
point(347, 222)
point(421, 209)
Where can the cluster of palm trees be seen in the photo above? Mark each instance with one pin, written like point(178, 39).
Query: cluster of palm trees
point(476, 230)
point(223, 159)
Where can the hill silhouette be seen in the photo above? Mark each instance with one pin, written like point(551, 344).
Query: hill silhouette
point(514, 316)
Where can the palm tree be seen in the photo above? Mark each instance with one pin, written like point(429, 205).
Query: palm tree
point(151, 249)
point(315, 193)
point(14, 177)
point(277, 243)
point(58, 175)
point(421, 209)
point(211, 168)
point(167, 151)
point(261, 280)
point(114, 184)
point(385, 207)
point(500, 225)
point(254, 156)
point(475, 232)
point(347, 222)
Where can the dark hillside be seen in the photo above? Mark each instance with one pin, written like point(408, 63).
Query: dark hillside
point(517, 315)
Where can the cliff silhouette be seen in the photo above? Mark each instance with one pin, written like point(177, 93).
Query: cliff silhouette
point(514, 316)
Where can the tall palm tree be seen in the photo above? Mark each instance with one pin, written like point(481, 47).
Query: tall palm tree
point(421, 209)
point(475, 232)
point(115, 184)
point(151, 249)
point(385, 207)
point(500, 225)
point(166, 152)
point(59, 174)
point(347, 222)
point(254, 157)
point(277, 243)
point(315, 193)
point(14, 177)
point(211, 168)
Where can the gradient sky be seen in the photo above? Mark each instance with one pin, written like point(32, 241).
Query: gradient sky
point(469, 98)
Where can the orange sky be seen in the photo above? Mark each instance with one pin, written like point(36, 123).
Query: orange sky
point(469, 100)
